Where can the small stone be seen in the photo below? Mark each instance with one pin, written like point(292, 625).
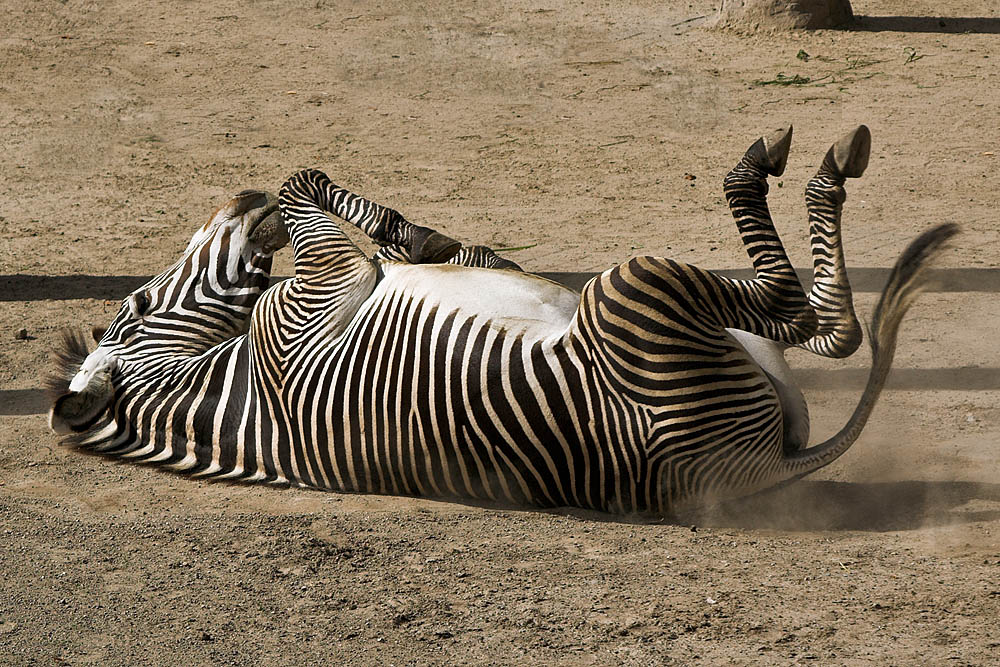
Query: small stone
point(21, 334)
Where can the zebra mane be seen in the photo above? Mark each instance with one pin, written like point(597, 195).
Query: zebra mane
point(68, 356)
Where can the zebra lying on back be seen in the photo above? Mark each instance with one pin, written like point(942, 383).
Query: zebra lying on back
point(660, 385)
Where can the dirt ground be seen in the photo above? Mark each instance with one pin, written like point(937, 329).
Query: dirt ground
point(589, 131)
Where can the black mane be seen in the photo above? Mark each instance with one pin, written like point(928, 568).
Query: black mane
point(67, 359)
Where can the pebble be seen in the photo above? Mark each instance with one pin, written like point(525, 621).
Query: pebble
point(21, 334)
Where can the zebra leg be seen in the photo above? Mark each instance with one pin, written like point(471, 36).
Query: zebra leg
point(325, 257)
point(482, 257)
point(839, 333)
point(393, 253)
point(670, 293)
point(474, 256)
point(387, 227)
point(774, 305)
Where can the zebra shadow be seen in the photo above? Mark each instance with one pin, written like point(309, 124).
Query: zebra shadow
point(851, 506)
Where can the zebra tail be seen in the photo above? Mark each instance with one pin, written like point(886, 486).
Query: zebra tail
point(906, 282)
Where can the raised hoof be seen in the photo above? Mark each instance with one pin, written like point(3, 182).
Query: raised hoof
point(770, 152)
point(270, 233)
point(501, 263)
point(430, 247)
point(848, 158)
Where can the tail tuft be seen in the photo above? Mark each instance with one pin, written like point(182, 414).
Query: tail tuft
point(906, 282)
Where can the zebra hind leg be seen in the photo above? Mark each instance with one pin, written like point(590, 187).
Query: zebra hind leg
point(838, 334)
point(773, 305)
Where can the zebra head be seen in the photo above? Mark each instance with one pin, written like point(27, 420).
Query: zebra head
point(205, 298)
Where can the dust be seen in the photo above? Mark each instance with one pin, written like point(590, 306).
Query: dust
point(826, 505)
point(881, 484)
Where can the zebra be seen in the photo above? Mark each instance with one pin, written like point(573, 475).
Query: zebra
point(659, 386)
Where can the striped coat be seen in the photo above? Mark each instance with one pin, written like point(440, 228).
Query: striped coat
point(660, 385)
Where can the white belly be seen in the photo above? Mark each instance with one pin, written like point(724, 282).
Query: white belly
point(520, 303)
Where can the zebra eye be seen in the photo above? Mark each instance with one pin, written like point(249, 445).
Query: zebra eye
point(138, 304)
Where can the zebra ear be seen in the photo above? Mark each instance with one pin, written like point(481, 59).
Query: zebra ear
point(97, 333)
point(245, 201)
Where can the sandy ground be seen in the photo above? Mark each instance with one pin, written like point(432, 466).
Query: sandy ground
point(569, 127)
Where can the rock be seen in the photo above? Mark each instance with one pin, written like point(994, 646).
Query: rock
point(754, 15)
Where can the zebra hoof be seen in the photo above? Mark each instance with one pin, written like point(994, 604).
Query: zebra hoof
point(270, 233)
point(770, 152)
point(431, 247)
point(848, 158)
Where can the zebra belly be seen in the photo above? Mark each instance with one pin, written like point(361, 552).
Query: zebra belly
point(520, 303)
point(438, 388)
point(435, 394)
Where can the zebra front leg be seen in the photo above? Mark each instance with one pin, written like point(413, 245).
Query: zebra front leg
point(325, 257)
point(476, 256)
point(482, 257)
point(387, 227)
point(839, 333)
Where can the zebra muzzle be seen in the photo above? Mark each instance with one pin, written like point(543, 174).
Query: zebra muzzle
point(76, 411)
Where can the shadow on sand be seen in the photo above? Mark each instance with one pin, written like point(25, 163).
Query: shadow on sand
point(931, 24)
